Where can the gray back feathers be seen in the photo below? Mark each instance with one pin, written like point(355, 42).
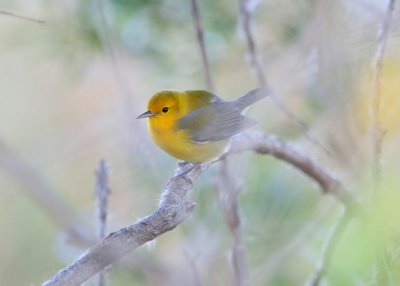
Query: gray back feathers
point(220, 120)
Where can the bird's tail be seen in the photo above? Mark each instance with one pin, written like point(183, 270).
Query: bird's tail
point(250, 98)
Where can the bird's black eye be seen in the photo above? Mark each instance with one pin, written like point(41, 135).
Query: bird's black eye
point(165, 109)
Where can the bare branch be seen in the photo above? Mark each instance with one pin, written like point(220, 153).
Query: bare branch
point(102, 192)
point(200, 40)
point(377, 132)
point(6, 13)
point(251, 46)
point(106, 34)
point(35, 185)
point(173, 208)
point(270, 144)
point(228, 197)
point(245, 7)
point(327, 182)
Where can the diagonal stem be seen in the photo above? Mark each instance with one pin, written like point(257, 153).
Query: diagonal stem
point(201, 44)
point(245, 13)
point(102, 192)
point(377, 131)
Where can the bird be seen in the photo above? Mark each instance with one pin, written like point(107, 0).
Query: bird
point(196, 125)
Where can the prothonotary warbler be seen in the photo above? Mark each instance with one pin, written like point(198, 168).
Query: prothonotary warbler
point(196, 125)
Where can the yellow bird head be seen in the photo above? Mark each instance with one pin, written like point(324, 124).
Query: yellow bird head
point(164, 107)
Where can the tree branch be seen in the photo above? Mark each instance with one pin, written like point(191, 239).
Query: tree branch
point(104, 29)
point(270, 144)
point(173, 207)
point(245, 8)
point(200, 40)
point(102, 192)
point(377, 132)
point(228, 197)
point(35, 185)
point(6, 13)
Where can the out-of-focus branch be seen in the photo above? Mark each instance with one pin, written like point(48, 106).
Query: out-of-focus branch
point(228, 193)
point(270, 144)
point(230, 205)
point(377, 132)
point(6, 13)
point(245, 8)
point(102, 192)
point(328, 183)
point(172, 210)
point(200, 40)
point(103, 29)
point(329, 248)
point(36, 186)
point(173, 207)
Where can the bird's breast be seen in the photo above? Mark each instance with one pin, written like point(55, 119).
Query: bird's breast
point(178, 143)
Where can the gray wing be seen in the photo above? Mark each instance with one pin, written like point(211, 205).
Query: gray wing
point(218, 121)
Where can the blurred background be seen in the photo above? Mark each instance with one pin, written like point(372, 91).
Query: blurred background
point(71, 88)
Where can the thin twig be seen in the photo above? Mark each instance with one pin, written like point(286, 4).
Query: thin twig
point(245, 7)
point(35, 185)
point(200, 40)
point(270, 144)
point(327, 182)
point(102, 192)
point(228, 197)
point(230, 206)
point(172, 210)
point(6, 13)
point(106, 37)
point(329, 248)
point(251, 46)
point(377, 131)
point(173, 207)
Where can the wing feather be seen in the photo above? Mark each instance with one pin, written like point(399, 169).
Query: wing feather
point(217, 121)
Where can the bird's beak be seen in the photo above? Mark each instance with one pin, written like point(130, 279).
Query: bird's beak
point(145, 115)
